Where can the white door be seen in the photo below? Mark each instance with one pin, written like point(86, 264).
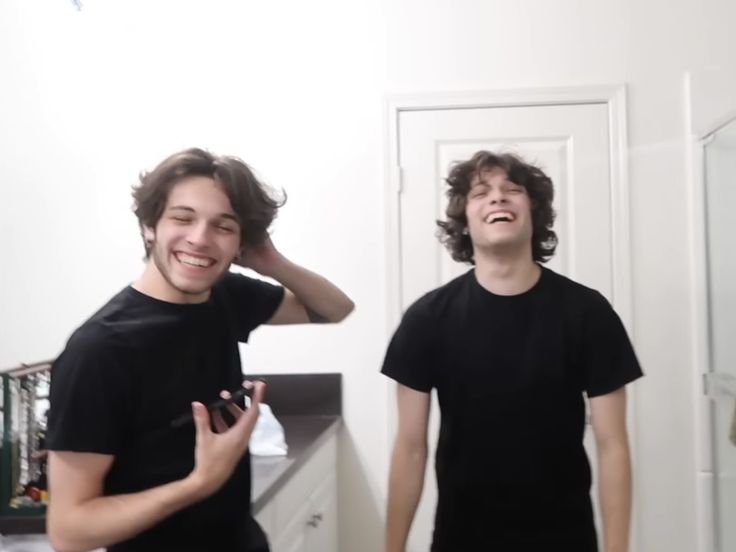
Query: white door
point(720, 188)
point(570, 142)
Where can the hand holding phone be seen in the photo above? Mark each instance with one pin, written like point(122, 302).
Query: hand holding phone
point(246, 390)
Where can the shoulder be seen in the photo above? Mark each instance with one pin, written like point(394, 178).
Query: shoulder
point(101, 337)
point(239, 284)
point(103, 329)
point(123, 312)
point(436, 303)
point(92, 344)
point(573, 292)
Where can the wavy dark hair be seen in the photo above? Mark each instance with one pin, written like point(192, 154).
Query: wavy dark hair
point(254, 203)
point(453, 231)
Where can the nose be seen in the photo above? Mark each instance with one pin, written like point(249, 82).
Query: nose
point(497, 195)
point(198, 234)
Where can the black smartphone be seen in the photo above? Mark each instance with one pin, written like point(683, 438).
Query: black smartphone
point(216, 405)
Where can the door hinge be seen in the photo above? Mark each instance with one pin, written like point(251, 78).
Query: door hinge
point(716, 385)
point(706, 387)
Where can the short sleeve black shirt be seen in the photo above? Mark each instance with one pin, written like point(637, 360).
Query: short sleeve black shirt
point(134, 367)
point(510, 374)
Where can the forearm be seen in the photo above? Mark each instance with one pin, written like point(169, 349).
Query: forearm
point(105, 520)
point(614, 490)
point(315, 292)
point(406, 479)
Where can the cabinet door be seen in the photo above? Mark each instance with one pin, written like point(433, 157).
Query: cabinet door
point(298, 544)
point(322, 532)
point(302, 517)
point(293, 537)
point(265, 519)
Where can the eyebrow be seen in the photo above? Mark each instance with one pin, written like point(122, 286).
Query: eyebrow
point(227, 216)
point(478, 184)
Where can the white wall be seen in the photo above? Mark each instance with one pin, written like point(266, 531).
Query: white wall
point(89, 98)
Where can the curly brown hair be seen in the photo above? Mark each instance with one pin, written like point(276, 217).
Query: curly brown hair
point(453, 231)
point(254, 203)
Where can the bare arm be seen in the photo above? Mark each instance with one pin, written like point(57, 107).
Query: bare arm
point(309, 297)
point(608, 413)
point(80, 518)
point(408, 464)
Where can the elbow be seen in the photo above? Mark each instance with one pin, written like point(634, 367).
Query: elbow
point(613, 450)
point(349, 307)
point(60, 544)
point(61, 540)
point(413, 452)
point(58, 539)
point(346, 308)
point(612, 442)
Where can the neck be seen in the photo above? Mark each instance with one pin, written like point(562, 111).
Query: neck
point(152, 283)
point(506, 274)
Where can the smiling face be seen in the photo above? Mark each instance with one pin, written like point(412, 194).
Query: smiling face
point(193, 243)
point(498, 212)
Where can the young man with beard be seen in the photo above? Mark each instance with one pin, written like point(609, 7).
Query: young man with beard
point(510, 347)
point(127, 469)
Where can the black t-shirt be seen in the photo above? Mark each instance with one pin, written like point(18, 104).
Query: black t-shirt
point(510, 373)
point(134, 367)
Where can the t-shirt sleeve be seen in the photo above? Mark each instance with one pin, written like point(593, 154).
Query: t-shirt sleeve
point(608, 360)
point(89, 396)
point(251, 302)
point(411, 355)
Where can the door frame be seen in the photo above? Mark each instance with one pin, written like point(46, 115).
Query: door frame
point(614, 97)
point(700, 134)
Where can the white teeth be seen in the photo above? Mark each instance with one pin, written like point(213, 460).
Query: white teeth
point(492, 217)
point(194, 261)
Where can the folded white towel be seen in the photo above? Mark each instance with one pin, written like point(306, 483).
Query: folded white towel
point(268, 435)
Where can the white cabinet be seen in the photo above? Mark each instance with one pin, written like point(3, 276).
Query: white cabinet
point(302, 516)
point(28, 543)
point(322, 523)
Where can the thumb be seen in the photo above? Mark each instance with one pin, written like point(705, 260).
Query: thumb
point(259, 390)
point(201, 419)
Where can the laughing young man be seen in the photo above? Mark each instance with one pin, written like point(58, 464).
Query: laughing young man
point(511, 347)
point(122, 473)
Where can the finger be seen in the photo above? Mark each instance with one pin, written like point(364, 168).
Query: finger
point(251, 415)
point(219, 422)
point(232, 408)
point(201, 419)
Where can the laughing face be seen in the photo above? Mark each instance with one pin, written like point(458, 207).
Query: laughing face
point(193, 243)
point(498, 213)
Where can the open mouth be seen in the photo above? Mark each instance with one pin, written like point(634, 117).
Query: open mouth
point(499, 216)
point(194, 261)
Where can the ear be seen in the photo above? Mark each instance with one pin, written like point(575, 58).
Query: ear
point(239, 257)
point(149, 235)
